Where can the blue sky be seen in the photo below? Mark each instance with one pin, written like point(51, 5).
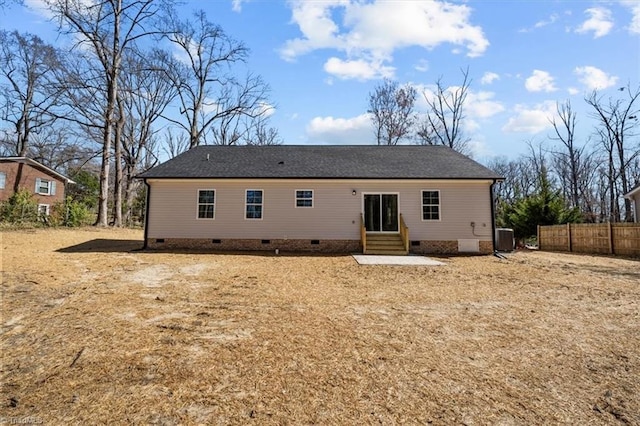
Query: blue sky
point(323, 58)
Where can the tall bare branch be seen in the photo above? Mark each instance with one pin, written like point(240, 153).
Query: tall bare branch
point(617, 126)
point(205, 77)
point(105, 30)
point(392, 111)
point(28, 96)
point(445, 116)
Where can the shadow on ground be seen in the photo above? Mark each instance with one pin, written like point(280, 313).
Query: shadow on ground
point(104, 245)
point(605, 270)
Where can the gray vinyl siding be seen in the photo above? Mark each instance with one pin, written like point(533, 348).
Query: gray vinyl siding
point(335, 214)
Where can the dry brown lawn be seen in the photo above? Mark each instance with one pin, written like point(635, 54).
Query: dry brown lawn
point(92, 332)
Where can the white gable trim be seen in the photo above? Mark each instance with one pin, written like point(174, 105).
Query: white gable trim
point(34, 163)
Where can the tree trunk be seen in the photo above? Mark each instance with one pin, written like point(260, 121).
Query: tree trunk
point(112, 93)
point(103, 197)
point(117, 186)
point(128, 198)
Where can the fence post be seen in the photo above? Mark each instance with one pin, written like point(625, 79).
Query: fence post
point(610, 228)
point(569, 236)
point(539, 239)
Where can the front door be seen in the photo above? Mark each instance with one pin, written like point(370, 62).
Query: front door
point(381, 212)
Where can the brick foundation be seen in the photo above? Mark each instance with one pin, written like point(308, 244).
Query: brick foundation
point(322, 246)
point(305, 246)
point(447, 247)
point(486, 247)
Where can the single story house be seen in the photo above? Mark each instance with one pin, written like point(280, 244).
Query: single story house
point(634, 196)
point(46, 184)
point(375, 199)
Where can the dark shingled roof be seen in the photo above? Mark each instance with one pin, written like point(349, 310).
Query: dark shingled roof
point(321, 162)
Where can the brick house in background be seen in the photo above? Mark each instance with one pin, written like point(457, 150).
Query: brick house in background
point(46, 184)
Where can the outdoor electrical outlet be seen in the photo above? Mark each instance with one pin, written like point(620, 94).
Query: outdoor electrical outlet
point(473, 224)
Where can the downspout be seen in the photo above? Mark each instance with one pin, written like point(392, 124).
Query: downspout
point(493, 215)
point(146, 214)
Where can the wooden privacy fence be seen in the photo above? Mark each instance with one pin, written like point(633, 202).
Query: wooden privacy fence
point(605, 238)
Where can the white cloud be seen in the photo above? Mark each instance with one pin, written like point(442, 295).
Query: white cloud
point(236, 5)
point(341, 131)
point(210, 106)
point(634, 6)
point(181, 55)
point(600, 22)
point(477, 106)
point(552, 18)
point(315, 23)
point(635, 22)
point(594, 78)
point(540, 81)
point(357, 69)
point(489, 77)
point(573, 91)
point(40, 7)
point(543, 23)
point(372, 31)
point(531, 120)
point(482, 105)
point(44, 7)
point(422, 65)
point(478, 147)
point(265, 109)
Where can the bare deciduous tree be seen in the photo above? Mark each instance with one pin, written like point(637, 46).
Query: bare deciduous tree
point(145, 92)
point(261, 134)
point(392, 111)
point(617, 120)
point(59, 147)
point(28, 97)
point(572, 162)
point(208, 89)
point(445, 116)
point(105, 30)
point(5, 3)
point(174, 144)
point(252, 130)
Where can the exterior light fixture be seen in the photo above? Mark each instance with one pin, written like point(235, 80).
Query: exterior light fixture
point(353, 192)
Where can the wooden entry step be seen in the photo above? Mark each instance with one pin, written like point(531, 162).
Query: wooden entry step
point(385, 244)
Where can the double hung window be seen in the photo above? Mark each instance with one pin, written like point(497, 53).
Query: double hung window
point(430, 205)
point(45, 187)
point(304, 198)
point(206, 203)
point(253, 204)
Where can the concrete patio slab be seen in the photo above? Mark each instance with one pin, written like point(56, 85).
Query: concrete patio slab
point(364, 259)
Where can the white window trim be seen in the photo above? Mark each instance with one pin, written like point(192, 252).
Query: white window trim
point(253, 204)
point(295, 201)
point(46, 209)
point(422, 205)
point(49, 187)
point(3, 180)
point(198, 203)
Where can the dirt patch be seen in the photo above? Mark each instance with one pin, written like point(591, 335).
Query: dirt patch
point(92, 332)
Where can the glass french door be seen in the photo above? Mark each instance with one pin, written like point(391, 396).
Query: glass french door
point(381, 212)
